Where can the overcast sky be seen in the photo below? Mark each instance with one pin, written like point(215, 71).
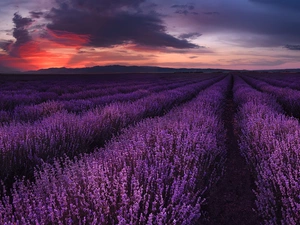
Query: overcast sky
point(235, 34)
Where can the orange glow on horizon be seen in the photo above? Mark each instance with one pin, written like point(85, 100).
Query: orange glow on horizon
point(43, 53)
point(40, 58)
point(62, 49)
point(14, 62)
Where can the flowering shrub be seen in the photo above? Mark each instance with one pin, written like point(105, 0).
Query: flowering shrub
point(280, 82)
point(44, 104)
point(287, 97)
point(154, 173)
point(269, 140)
point(24, 146)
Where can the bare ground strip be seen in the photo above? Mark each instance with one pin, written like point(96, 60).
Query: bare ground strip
point(232, 200)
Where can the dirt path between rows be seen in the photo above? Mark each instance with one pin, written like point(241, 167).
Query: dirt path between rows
point(231, 201)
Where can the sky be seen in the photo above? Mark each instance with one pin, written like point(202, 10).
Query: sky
point(231, 34)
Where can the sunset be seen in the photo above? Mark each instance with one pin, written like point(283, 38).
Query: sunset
point(149, 112)
point(246, 34)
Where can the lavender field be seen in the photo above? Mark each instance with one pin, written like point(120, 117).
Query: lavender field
point(207, 148)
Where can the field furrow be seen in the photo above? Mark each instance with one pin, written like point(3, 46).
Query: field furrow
point(231, 200)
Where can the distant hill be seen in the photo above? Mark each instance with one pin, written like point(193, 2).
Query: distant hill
point(281, 71)
point(7, 70)
point(119, 69)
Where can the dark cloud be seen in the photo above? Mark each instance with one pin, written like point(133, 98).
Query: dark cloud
point(186, 6)
point(211, 13)
point(291, 4)
point(36, 15)
point(100, 6)
point(106, 29)
point(182, 12)
point(193, 57)
point(199, 50)
point(21, 22)
point(185, 12)
point(152, 5)
point(293, 47)
point(20, 33)
point(254, 26)
point(6, 45)
point(22, 36)
point(184, 9)
point(192, 35)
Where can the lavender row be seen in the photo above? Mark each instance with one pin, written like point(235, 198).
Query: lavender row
point(10, 101)
point(283, 83)
point(289, 77)
point(60, 86)
point(72, 84)
point(124, 89)
point(67, 90)
point(269, 141)
point(32, 113)
point(287, 97)
point(99, 92)
point(155, 173)
point(24, 146)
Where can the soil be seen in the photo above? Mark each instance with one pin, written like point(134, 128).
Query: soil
point(231, 201)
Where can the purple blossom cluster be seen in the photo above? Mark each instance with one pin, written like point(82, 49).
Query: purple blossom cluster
point(156, 172)
point(289, 98)
point(283, 77)
point(10, 99)
point(25, 146)
point(288, 81)
point(18, 93)
point(36, 112)
point(270, 141)
point(82, 101)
